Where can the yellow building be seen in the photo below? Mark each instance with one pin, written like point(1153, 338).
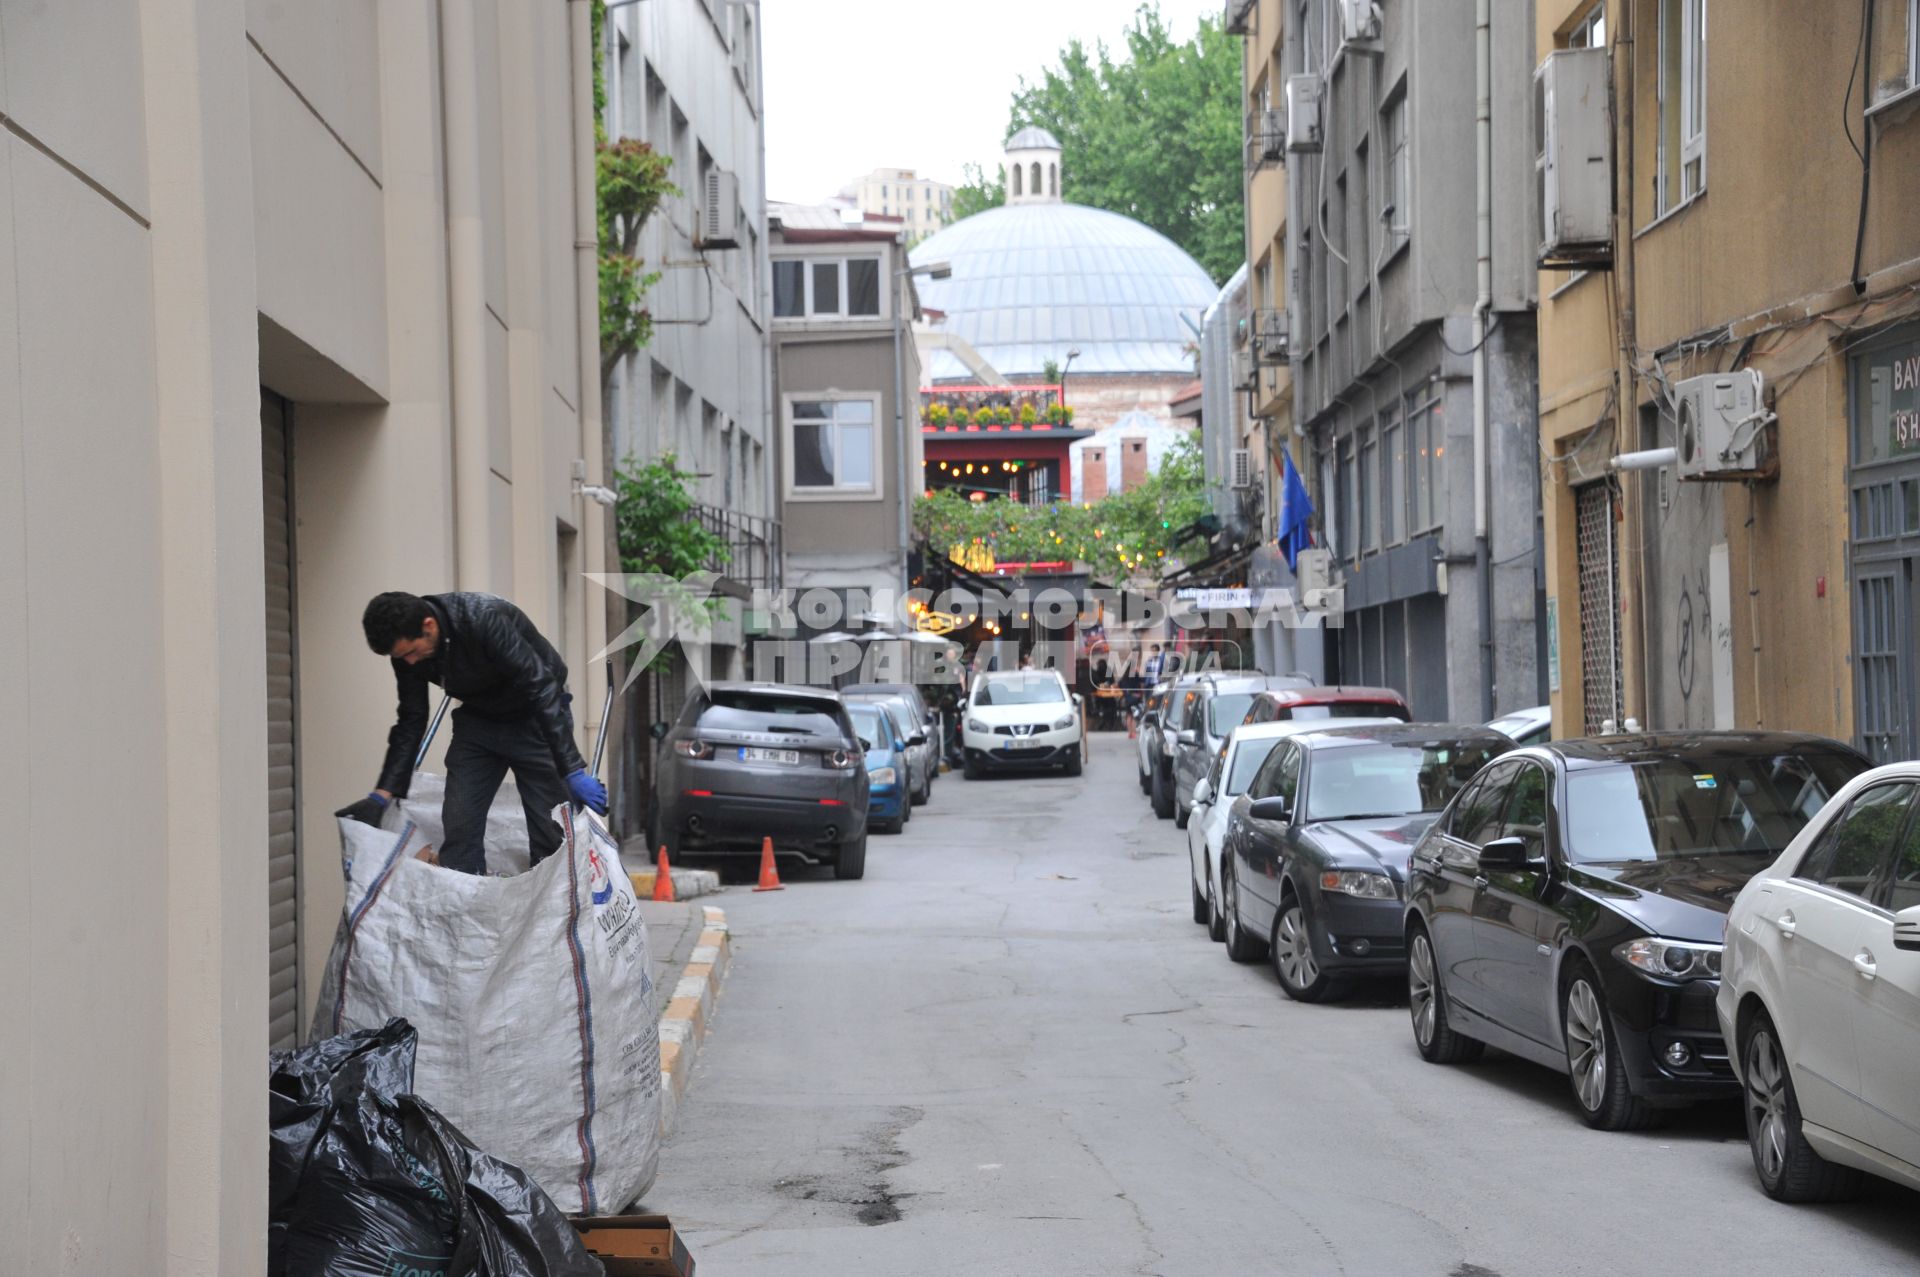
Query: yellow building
point(1764, 219)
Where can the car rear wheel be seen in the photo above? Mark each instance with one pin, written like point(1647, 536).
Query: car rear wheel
point(1161, 791)
point(1594, 1068)
point(1216, 920)
point(1242, 945)
point(851, 861)
point(1789, 1169)
point(1200, 909)
point(1301, 977)
point(1181, 815)
point(1438, 1040)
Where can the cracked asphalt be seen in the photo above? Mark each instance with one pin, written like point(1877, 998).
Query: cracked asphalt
point(1009, 1050)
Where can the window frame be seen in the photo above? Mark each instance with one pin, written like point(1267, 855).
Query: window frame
point(1396, 172)
point(1423, 407)
point(1690, 89)
point(1877, 880)
point(809, 263)
point(876, 490)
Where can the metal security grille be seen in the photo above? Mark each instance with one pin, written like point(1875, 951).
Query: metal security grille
point(1877, 668)
point(283, 859)
point(1599, 604)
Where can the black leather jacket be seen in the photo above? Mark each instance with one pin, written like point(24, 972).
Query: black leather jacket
point(498, 666)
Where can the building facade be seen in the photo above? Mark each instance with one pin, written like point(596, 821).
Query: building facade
point(1436, 538)
point(922, 204)
point(300, 308)
point(1743, 237)
point(848, 454)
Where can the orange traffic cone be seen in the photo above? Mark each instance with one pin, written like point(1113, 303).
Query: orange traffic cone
point(769, 879)
point(663, 880)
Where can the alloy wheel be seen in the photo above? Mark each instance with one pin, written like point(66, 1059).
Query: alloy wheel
point(1767, 1104)
point(1586, 1045)
point(1294, 954)
point(1420, 990)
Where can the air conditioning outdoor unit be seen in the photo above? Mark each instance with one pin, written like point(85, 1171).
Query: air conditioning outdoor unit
point(1359, 22)
point(1246, 371)
point(1303, 112)
point(1240, 472)
point(720, 211)
point(1573, 160)
point(1723, 426)
point(1270, 337)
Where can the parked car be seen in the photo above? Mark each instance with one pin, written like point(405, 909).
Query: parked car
point(1147, 737)
point(1820, 995)
point(1213, 799)
point(921, 713)
point(1315, 852)
point(1571, 904)
point(747, 761)
point(1279, 704)
point(889, 767)
point(1526, 726)
point(1220, 702)
point(923, 758)
point(1182, 695)
point(1018, 720)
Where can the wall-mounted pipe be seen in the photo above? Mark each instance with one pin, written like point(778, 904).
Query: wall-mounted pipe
point(466, 294)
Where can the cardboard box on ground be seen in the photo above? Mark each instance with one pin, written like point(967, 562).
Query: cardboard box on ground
point(636, 1245)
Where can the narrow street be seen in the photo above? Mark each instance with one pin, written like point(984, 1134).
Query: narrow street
point(1009, 1050)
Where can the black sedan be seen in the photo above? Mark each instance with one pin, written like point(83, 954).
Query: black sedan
point(1570, 906)
point(1315, 852)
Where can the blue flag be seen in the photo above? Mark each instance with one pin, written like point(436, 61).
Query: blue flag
point(1296, 508)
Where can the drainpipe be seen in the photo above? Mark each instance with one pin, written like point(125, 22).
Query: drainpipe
point(900, 412)
point(466, 297)
point(595, 528)
point(1483, 273)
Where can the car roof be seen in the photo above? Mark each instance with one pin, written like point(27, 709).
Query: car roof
point(1533, 714)
point(1645, 747)
point(1334, 695)
point(880, 689)
point(798, 691)
point(1243, 681)
point(1296, 727)
point(1393, 732)
point(1003, 676)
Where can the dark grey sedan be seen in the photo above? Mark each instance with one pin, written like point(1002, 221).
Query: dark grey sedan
point(1314, 862)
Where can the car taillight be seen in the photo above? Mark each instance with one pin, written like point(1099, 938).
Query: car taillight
point(693, 749)
point(839, 758)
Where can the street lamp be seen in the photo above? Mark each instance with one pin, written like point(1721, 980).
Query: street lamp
point(932, 270)
point(1065, 369)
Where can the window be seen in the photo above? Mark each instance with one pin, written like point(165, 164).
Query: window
point(1053, 174)
point(826, 286)
point(1396, 181)
point(833, 445)
point(1393, 477)
point(1476, 817)
point(1351, 782)
point(1426, 446)
point(1680, 170)
point(1591, 31)
point(1848, 856)
point(1368, 495)
point(1902, 890)
point(1017, 172)
point(1344, 544)
point(1034, 179)
point(1526, 816)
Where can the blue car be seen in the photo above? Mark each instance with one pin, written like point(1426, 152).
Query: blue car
point(889, 803)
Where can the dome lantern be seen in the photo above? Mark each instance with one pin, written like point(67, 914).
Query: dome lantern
point(1033, 167)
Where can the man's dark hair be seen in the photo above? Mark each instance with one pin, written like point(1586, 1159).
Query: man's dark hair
point(391, 617)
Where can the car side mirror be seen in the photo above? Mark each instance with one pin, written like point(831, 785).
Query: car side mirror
point(960, 704)
point(660, 729)
point(917, 739)
point(1504, 855)
point(1274, 809)
point(1202, 791)
point(1188, 737)
point(1906, 930)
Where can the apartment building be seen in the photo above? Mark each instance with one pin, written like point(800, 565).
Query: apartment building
point(299, 307)
point(1730, 365)
point(1413, 393)
point(922, 204)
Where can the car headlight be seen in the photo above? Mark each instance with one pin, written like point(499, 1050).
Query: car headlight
point(882, 776)
point(975, 725)
point(1364, 883)
point(1671, 959)
point(1063, 724)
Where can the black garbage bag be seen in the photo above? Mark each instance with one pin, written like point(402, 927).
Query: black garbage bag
point(367, 1180)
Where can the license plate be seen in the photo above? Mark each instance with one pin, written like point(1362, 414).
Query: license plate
point(790, 757)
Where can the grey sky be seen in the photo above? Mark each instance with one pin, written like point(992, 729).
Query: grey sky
point(854, 85)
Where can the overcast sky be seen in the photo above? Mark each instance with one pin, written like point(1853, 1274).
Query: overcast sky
point(855, 85)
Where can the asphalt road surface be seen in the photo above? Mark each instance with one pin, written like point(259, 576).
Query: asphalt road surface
point(1008, 1050)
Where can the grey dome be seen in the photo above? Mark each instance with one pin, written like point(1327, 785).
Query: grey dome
point(1032, 138)
point(1033, 281)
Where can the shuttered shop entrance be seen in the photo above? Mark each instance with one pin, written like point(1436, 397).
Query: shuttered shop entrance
point(1598, 562)
point(283, 883)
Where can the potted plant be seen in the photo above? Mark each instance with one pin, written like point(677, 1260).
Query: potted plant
point(938, 416)
point(1027, 415)
point(1003, 415)
point(1056, 415)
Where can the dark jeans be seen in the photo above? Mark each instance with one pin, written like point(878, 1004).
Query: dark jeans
point(478, 758)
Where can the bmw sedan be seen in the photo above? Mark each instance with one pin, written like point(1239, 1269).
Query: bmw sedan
point(1316, 849)
point(1571, 904)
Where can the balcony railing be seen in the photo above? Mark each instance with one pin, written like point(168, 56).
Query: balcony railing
point(1269, 337)
point(752, 560)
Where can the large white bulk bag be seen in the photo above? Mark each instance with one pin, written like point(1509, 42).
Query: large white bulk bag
point(505, 839)
point(532, 996)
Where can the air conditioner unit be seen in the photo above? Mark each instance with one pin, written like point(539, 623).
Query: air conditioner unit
point(1240, 472)
point(720, 211)
point(1723, 420)
point(1270, 337)
point(1312, 571)
point(1239, 17)
point(1303, 112)
point(1573, 160)
point(1359, 22)
point(1246, 370)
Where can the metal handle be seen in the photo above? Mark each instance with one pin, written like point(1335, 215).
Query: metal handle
point(1482, 881)
point(1863, 963)
point(1787, 925)
point(433, 728)
point(606, 713)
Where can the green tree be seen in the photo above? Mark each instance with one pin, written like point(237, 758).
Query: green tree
point(976, 194)
point(630, 181)
point(1152, 132)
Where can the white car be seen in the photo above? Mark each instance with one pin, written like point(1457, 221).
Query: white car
point(1526, 726)
point(1213, 794)
point(1018, 720)
point(1820, 996)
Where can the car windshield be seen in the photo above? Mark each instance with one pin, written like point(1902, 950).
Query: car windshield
point(1699, 805)
point(1037, 690)
point(1350, 782)
point(1247, 757)
point(759, 712)
point(866, 721)
point(1226, 711)
point(1345, 709)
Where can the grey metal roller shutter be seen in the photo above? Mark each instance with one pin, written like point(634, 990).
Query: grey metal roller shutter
point(283, 883)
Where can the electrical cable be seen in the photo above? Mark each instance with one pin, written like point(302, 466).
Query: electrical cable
point(1866, 150)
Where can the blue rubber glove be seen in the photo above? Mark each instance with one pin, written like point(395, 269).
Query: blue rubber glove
point(588, 791)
